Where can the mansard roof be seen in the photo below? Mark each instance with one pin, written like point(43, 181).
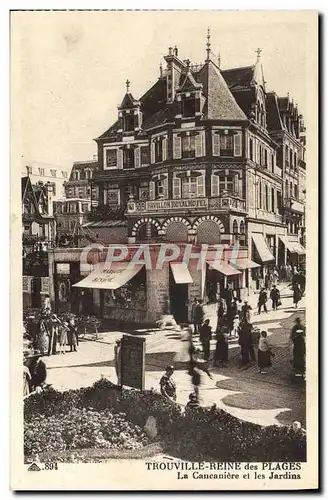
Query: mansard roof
point(238, 79)
point(273, 119)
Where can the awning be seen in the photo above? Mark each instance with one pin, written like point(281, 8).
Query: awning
point(223, 268)
point(292, 246)
point(110, 278)
point(288, 244)
point(298, 248)
point(181, 273)
point(242, 264)
point(262, 248)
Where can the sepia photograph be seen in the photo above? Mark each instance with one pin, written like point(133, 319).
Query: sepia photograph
point(164, 249)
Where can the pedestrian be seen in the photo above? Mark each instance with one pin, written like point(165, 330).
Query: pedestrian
point(72, 335)
point(184, 353)
point(44, 335)
point(63, 329)
point(167, 384)
point(221, 348)
point(245, 342)
point(193, 314)
point(297, 338)
point(288, 272)
point(192, 403)
point(118, 360)
point(231, 315)
point(196, 366)
point(205, 336)
point(275, 297)
point(246, 312)
point(239, 308)
point(229, 295)
point(199, 316)
point(262, 301)
point(264, 353)
point(220, 312)
point(275, 277)
point(38, 371)
point(297, 294)
point(235, 326)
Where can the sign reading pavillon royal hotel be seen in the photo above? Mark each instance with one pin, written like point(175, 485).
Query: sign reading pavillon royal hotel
point(202, 158)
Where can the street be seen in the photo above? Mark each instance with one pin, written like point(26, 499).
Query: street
point(264, 399)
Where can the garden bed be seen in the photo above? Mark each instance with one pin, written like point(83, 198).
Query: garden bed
point(95, 418)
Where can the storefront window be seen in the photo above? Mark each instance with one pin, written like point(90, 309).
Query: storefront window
point(133, 295)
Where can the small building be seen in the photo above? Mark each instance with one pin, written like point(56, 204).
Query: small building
point(80, 181)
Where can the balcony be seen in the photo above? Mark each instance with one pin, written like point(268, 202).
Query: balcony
point(264, 215)
point(292, 205)
point(186, 205)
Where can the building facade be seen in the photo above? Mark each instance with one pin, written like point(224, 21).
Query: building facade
point(80, 181)
point(42, 174)
point(199, 159)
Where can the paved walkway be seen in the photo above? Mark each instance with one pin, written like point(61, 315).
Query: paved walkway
point(266, 399)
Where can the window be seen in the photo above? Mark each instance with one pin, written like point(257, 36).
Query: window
point(58, 208)
point(159, 189)
point(82, 175)
point(291, 190)
point(76, 175)
point(188, 107)
point(111, 158)
point(260, 194)
point(242, 227)
point(128, 123)
point(53, 172)
point(279, 204)
point(226, 145)
point(144, 153)
point(251, 150)
point(265, 157)
point(128, 158)
point(158, 151)
point(64, 173)
point(272, 163)
point(291, 159)
point(73, 208)
point(189, 187)
point(287, 156)
point(85, 207)
point(41, 171)
point(266, 199)
point(112, 197)
point(272, 200)
point(222, 183)
point(188, 146)
point(286, 189)
point(295, 160)
point(144, 191)
point(295, 192)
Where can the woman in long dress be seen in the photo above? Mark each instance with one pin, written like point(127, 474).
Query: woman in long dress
point(43, 338)
point(221, 348)
point(264, 353)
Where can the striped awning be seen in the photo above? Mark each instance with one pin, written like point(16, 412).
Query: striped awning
point(262, 248)
point(242, 264)
point(224, 268)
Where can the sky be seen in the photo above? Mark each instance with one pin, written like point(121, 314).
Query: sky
point(68, 69)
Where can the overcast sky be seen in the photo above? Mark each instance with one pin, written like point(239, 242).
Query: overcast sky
point(69, 68)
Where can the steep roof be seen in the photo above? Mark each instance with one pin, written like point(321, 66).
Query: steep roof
point(128, 101)
point(273, 115)
point(220, 103)
point(238, 78)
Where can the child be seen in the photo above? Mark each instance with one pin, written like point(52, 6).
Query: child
point(62, 330)
point(235, 324)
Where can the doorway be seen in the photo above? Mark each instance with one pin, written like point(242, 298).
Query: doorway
point(36, 293)
point(178, 300)
point(214, 284)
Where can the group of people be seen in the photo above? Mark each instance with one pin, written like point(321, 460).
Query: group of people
point(50, 334)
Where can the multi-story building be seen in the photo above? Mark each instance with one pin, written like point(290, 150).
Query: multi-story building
point(194, 160)
point(43, 174)
point(70, 215)
point(79, 183)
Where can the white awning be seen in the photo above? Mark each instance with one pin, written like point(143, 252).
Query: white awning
point(242, 264)
point(288, 244)
point(223, 268)
point(292, 246)
point(298, 248)
point(110, 278)
point(262, 248)
point(181, 273)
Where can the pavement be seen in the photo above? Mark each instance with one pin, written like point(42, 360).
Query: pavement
point(265, 399)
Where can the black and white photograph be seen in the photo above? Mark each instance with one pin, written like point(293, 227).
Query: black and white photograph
point(164, 249)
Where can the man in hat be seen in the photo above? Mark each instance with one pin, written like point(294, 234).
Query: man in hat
point(193, 402)
point(118, 360)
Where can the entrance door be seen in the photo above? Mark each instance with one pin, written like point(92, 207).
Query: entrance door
point(214, 284)
point(178, 300)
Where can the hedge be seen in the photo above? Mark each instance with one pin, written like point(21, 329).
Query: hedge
point(202, 434)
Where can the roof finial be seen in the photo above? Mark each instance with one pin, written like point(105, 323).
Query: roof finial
point(127, 83)
point(219, 59)
point(258, 52)
point(208, 45)
point(160, 69)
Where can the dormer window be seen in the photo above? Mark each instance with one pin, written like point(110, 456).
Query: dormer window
point(128, 123)
point(188, 107)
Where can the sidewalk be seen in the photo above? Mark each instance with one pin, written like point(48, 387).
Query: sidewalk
point(263, 399)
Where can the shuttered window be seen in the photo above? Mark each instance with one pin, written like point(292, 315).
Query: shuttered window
point(166, 188)
point(215, 185)
point(164, 151)
point(201, 186)
point(200, 144)
point(151, 190)
point(176, 146)
point(137, 157)
point(215, 144)
point(120, 158)
point(237, 144)
point(152, 152)
point(176, 187)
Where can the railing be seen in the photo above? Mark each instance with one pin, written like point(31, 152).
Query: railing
point(186, 204)
point(264, 215)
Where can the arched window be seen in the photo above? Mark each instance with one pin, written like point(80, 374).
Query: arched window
point(235, 227)
point(242, 227)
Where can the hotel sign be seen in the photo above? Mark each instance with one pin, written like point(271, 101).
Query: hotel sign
point(159, 205)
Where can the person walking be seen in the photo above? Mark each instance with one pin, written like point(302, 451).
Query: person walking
point(297, 294)
point(193, 314)
point(44, 336)
point(275, 297)
point(235, 326)
point(205, 336)
point(63, 329)
point(262, 301)
point(297, 338)
point(264, 353)
point(246, 312)
point(221, 348)
point(245, 342)
point(196, 366)
point(199, 316)
point(167, 384)
point(239, 308)
point(220, 312)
